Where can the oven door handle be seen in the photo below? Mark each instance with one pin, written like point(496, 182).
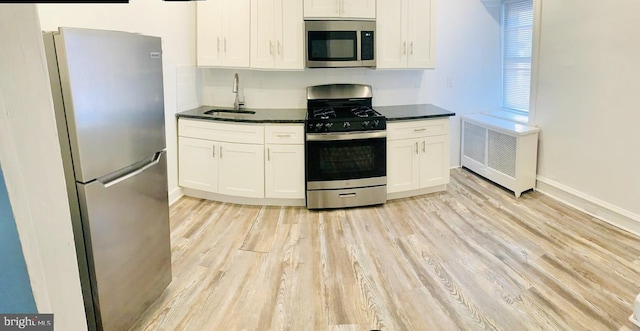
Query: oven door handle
point(345, 136)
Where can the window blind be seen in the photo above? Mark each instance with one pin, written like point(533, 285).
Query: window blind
point(516, 57)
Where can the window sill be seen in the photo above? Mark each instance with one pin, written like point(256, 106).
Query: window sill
point(510, 115)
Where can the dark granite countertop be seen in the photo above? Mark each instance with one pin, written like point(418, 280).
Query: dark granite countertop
point(412, 112)
point(261, 115)
point(393, 113)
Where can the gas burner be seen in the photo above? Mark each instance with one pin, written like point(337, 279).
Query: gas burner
point(364, 111)
point(324, 113)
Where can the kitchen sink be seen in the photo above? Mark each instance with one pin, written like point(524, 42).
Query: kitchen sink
point(229, 111)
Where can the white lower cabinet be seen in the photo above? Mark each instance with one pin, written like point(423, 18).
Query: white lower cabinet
point(403, 165)
point(417, 155)
point(221, 167)
point(242, 160)
point(221, 158)
point(284, 163)
point(434, 161)
point(241, 172)
point(284, 171)
point(198, 164)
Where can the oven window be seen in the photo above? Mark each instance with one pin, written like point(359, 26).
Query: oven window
point(344, 160)
point(332, 46)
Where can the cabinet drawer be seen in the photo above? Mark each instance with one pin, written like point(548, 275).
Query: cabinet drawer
point(235, 133)
point(284, 134)
point(417, 129)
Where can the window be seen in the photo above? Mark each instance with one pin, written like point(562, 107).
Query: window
point(516, 54)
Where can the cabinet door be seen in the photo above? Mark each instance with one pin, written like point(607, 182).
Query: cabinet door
point(198, 164)
point(284, 171)
point(236, 32)
point(358, 9)
point(289, 46)
point(434, 161)
point(391, 28)
point(321, 8)
point(241, 170)
point(209, 36)
point(403, 165)
point(421, 33)
point(263, 29)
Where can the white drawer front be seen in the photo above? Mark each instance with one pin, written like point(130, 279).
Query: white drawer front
point(284, 134)
point(417, 128)
point(210, 130)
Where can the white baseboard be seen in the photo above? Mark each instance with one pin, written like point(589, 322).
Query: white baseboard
point(242, 200)
point(175, 195)
point(413, 193)
point(595, 207)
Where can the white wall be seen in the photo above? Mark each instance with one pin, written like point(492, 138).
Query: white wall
point(587, 102)
point(30, 157)
point(174, 22)
point(467, 56)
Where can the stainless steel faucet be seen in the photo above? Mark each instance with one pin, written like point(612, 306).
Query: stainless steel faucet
point(237, 104)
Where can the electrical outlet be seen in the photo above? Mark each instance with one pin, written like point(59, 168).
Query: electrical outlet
point(449, 81)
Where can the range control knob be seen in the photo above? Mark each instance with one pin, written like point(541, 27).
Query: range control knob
point(365, 124)
point(318, 127)
point(375, 123)
point(346, 125)
point(328, 126)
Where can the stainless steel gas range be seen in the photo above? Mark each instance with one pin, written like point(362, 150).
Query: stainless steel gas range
point(345, 148)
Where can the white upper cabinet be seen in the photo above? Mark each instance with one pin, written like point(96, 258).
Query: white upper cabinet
point(406, 34)
point(277, 34)
point(357, 9)
point(223, 33)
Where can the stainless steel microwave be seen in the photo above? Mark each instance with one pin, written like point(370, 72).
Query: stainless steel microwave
point(340, 44)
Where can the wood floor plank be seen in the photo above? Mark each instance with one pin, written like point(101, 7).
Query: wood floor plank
point(472, 257)
point(260, 237)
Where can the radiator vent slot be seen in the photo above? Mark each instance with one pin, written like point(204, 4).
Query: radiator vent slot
point(501, 152)
point(474, 142)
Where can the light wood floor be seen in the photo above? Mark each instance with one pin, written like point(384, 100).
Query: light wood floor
point(470, 258)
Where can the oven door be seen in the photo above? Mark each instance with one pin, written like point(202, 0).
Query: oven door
point(346, 160)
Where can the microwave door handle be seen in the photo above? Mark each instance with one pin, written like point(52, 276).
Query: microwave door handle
point(359, 46)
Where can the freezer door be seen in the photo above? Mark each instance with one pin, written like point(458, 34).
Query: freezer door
point(126, 227)
point(113, 98)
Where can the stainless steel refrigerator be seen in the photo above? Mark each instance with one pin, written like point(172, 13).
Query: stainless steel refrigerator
point(108, 96)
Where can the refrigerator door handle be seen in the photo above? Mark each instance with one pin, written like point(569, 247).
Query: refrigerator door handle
point(154, 161)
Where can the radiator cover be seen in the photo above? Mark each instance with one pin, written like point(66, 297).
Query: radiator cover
point(502, 151)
